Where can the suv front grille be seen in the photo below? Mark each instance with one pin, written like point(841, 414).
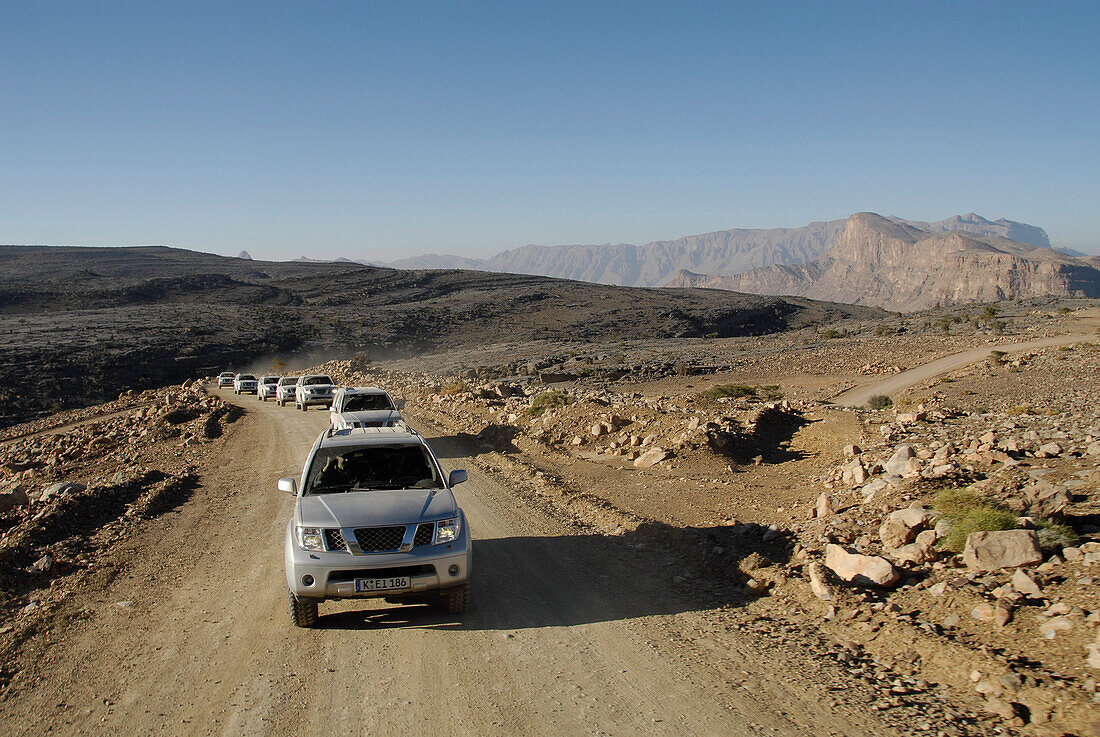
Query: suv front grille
point(425, 531)
point(378, 539)
point(334, 539)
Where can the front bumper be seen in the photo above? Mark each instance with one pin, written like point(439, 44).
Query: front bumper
point(334, 574)
point(325, 400)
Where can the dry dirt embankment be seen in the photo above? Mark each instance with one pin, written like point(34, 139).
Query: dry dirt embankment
point(179, 628)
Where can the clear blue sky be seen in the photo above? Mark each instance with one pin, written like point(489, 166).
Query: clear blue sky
point(384, 129)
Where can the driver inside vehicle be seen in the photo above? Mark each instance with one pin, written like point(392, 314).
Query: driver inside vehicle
point(334, 473)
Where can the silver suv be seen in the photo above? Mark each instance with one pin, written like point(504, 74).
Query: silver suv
point(313, 389)
point(266, 387)
point(284, 391)
point(375, 517)
point(245, 383)
point(363, 406)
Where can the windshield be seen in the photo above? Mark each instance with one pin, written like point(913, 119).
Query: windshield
point(288, 380)
point(247, 377)
point(271, 380)
point(310, 380)
point(372, 468)
point(367, 402)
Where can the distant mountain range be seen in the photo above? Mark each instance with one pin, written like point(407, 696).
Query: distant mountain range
point(722, 253)
point(898, 265)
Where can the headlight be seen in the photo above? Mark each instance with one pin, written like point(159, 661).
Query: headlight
point(311, 538)
point(446, 530)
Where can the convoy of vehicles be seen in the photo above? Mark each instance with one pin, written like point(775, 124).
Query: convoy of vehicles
point(374, 514)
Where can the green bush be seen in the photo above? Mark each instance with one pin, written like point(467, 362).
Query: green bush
point(967, 512)
point(982, 519)
point(455, 387)
point(879, 401)
point(953, 503)
point(548, 400)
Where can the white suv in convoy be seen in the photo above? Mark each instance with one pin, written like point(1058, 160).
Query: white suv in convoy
point(284, 390)
point(245, 383)
point(363, 406)
point(313, 389)
point(267, 387)
point(226, 378)
point(375, 517)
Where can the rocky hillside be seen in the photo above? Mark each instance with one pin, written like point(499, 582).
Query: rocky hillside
point(80, 325)
point(720, 253)
point(878, 261)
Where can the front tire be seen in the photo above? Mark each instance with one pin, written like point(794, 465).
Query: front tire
point(303, 612)
point(456, 601)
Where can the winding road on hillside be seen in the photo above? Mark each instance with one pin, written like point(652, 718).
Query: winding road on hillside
point(1084, 329)
point(569, 633)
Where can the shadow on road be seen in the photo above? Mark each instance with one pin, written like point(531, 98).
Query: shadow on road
point(494, 438)
point(567, 580)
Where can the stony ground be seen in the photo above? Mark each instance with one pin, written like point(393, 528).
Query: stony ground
point(772, 483)
point(813, 532)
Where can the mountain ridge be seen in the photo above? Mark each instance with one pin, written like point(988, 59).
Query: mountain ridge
point(722, 253)
point(883, 262)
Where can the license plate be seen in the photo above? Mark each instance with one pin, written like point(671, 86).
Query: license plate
point(382, 584)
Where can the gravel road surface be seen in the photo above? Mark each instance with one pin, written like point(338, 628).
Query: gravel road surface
point(569, 633)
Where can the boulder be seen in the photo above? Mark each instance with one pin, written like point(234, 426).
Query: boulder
point(854, 472)
point(990, 551)
point(1049, 450)
point(819, 582)
point(914, 554)
point(17, 497)
point(1092, 660)
point(901, 526)
point(862, 570)
point(62, 488)
point(1023, 582)
point(650, 458)
point(903, 461)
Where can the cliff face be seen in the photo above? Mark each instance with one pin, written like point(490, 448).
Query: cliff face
point(884, 263)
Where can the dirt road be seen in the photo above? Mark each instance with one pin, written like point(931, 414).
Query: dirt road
point(858, 396)
point(569, 633)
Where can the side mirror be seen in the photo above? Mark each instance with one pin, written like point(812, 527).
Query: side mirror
point(399, 403)
point(290, 486)
point(456, 477)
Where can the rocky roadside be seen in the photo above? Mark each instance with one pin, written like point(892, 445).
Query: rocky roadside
point(72, 487)
point(857, 561)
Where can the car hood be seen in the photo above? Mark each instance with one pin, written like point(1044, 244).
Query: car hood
point(373, 508)
point(318, 386)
